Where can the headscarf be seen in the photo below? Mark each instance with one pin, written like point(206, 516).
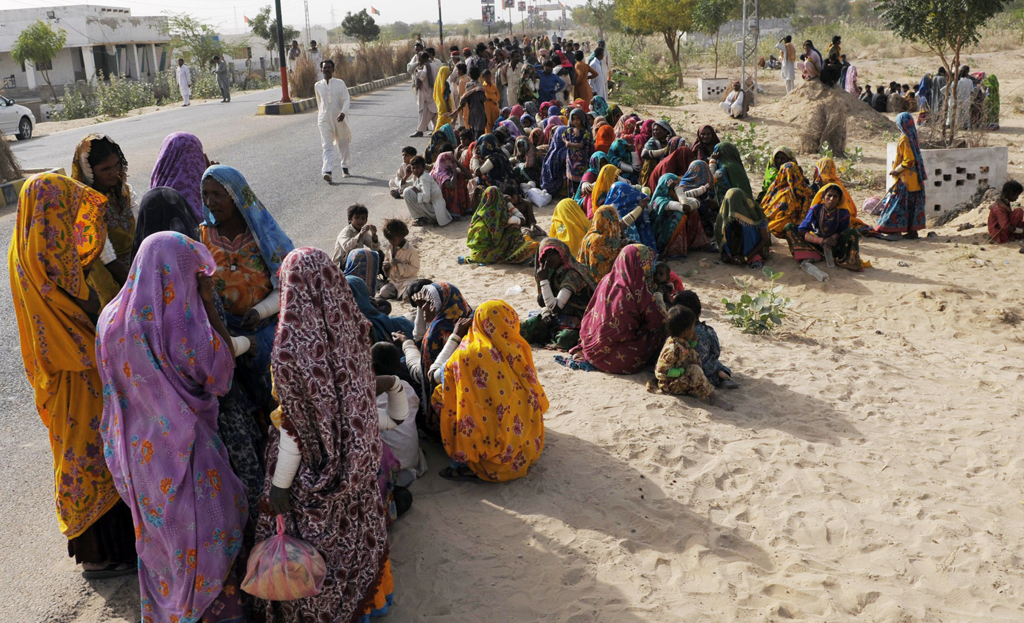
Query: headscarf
point(60, 230)
point(444, 110)
point(664, 125)
point(625, 198)
point(517, 111)
point(604, 134)
point(362, 263)
point(924, 89)
point(382, 325)
point(569, 224)
point(445, 168)
point(490, 239)
point(441, 136)
point(544, 108)
point(511, 127)
point(599, 194)
point(526, 152)
point(450, 306)
point(491, 150)
point(736, 206)
point(770, 171)
point(552, 124)
point(163, 366)
point(273, 242)
point(164, 209)
point(787, 199)
point(644, 134)
point(702, 151)
point(851, 80)
point(593, 169)
point(553, 172)
point(180, 165)
point(905, 121)
point(119, 197)
point(581, 104)
point(598, 106)
point(676, 162)
point(489, 379)
point(602, 243)
point(731, 163)
point(325, 386)
point(619, 153)
point(829, 174)
point(570, 274)
point(697, 174)
point(613, 115)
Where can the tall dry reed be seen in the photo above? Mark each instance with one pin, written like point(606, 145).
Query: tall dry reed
point(302, 78)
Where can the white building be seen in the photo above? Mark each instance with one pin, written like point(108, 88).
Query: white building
point(99, 38)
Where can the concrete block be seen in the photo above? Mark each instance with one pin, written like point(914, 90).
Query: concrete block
point(954, 175)
point(711, 89)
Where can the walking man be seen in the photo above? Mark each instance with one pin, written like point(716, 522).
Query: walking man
point(332, 107)
point(184, 77)
point(221, 69)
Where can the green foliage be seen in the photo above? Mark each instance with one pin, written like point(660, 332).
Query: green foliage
point(360, 26)
point(39, 45)
point(265, 27)
point(756, 150)
point(668, 18)
point(119, 96)
point(709, 16)
point(73, 105)
point(648, 82)
point(760, 313)
point(598, 14)
point(193, 38)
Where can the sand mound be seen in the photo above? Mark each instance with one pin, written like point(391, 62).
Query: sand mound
point(863, 124)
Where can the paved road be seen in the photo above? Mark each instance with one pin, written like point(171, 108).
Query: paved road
point(280, 157)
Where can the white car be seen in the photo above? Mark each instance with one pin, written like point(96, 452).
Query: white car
point(16, 119)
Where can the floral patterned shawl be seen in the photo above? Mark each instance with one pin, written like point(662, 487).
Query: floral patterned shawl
point(602, 243)
point(180, 165)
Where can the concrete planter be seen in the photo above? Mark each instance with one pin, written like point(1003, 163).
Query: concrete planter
point(10, 190)
point(298, 106)
point(954, 175)
point(712, 89)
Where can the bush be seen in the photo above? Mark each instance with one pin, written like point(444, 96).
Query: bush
point(302, 78)
point(648, 82)
point(10, 168)
point(757, 151)
point(762, 313)
point(119, 96)
point(73, 105)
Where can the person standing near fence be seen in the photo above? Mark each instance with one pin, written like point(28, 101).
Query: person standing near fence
point(220, 68)
point(332, 103)
point(184, 77)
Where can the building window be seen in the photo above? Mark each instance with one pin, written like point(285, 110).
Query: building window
point(47, 66)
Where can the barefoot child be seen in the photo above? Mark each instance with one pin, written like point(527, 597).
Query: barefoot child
point(401, 261)
point(1004, 223)
point(667, 281)
point(708, 347)
point(678, 371)
point(403, 178)
point(358, 234)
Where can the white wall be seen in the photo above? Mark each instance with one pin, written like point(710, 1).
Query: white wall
point(954, 175)
point(62, 72)
point(85, 25)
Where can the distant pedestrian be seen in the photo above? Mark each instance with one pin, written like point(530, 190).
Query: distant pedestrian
point(317, 57)
point(332, 102)
point(221, 70)
point(788, 61)
point(184, 77)
point(294, 53)
point(423, 80)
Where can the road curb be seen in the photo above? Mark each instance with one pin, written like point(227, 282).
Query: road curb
point(300, 106)
point(10, 190)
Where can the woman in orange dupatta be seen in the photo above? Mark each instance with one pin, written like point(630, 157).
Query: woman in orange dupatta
point(604, 134)
point(60, 233)
point(826, 172)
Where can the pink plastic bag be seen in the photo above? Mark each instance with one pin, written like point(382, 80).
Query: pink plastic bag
point(284, 568)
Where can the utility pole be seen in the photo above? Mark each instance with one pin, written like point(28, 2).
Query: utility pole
point(440, 24)
point(333, 25)
point(306, 3)
point(280, 50)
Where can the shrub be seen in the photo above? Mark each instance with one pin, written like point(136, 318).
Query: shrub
point(648, 82)
point(757, 150)
point(119, 96)
point(74, 105)
point(302, 78)
point(761, 313)
point(10, 168)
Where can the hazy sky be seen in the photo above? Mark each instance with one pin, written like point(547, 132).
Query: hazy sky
point(227, 15)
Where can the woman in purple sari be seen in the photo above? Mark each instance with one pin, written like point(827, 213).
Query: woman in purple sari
point(165, 357)
point(180, 165)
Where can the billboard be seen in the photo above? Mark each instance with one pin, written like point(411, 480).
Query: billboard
point(487, 14)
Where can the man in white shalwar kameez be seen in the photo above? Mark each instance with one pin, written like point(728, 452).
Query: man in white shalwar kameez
point(184, 77)
point(423, 199)
point(599, 84)
point(332, 103)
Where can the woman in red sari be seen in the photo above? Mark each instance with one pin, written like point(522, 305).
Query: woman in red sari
point(677, 161)
point(452, 177)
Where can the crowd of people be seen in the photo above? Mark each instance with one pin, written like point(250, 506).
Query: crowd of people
point(201, 376)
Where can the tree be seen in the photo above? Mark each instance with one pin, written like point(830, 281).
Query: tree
point(668, 18)
point(944, 27)
point(194, 38)
point(708, 17)
point(360, 26)
point(265, 27)
point(599, 13)
point(39, 44)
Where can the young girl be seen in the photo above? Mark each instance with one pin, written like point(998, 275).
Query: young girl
point(580, 144)
point(678, 371)
point(709, 349)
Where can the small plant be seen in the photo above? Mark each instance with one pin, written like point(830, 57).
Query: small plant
point(825, 151)
point(758, 151)
point(761, 313)
point(73, 105)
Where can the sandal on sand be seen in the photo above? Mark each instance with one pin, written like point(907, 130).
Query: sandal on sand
point(459, 474)
point(112, 570)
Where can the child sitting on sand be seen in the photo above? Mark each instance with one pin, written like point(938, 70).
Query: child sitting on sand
point(1004, 223)
point(358, 234)
point(403, 178)
point(679, 371)
point(667, 281)
point(708, 347)
point(401, 260)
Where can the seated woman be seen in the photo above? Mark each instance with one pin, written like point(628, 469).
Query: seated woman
point(552, 176)
point(526, 162)
point(564, 288)
point(602, 243)
point(707, 140)
point(787, 199)
point(569, 224)
point(698, 184)
point(677, 162)
point(100, 164)
point(826, 228)
point(441, 141)
point(381, 325)
point(248, 246)
point(579, 146)
point(598, 195)
point(495, 168)
point(452, 177)
point(180, 165)
point(1004, 222)
point(492, 404)
point(654, 150)
point(825, 173)
point(634, 209)
point(604, 134)
point(324, 452)
point(163, 209)
point(494, 233)
point(166, 312)
point(727, 168)
point(624, 157)
point(741, 230)
point(622, 330)
point(676, 222)
point(365, 264)
point(597, 160)
point(781, 156)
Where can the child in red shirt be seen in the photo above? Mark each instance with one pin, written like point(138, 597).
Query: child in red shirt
point(1005, 224)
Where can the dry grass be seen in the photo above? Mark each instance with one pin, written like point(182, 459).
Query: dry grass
point(302, 78)
point(10, 168)
point(826, 125)
point(370, 62)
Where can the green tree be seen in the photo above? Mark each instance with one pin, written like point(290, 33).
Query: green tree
point(599, 14)
point(708, 17)
point(193, 38)
point(39, 44)
point(360, 26)
point(945, 28)
point(668, 18)
point(265, 27)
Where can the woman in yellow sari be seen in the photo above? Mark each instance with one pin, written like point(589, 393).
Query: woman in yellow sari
point(787, 200)
point(569, 224)
point(605, 179)
point(826, 172)
point(59, 237)
point(100, 164)
point(443, 102)
point(492, 411)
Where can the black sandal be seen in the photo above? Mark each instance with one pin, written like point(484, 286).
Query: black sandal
point(459, 474)
point(113, 570)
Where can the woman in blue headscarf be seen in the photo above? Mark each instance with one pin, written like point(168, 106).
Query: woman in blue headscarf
point(624, 158)
point(442, 140)
point(552, 174)
point(248, 246)
point(599, 107)
point(363, 263)
point(676, 221)
point(495, 167)
point(636, 225)
point(382, 325)
point(903, 209)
